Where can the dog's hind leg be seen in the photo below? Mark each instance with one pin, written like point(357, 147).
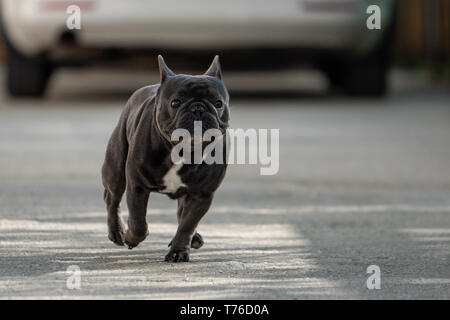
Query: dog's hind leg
point(115, 223)
point(197, 240)
point(114, 181)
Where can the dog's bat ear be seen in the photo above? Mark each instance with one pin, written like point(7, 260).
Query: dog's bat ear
point(164, 70)
point(214, 69)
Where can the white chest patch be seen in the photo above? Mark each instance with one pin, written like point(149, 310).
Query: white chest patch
point(172, 180)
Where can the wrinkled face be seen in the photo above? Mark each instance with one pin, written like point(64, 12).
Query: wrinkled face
point(184, 99)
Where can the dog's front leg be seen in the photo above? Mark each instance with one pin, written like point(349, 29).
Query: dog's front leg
point(192, 208)
point(137, 199)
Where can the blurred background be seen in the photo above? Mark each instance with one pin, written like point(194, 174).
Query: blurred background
point(364, 146)
point(327, 36)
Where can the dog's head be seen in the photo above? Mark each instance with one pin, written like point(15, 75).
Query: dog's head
point(183, 99)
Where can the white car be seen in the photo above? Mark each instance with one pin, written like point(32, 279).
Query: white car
point(331, 34)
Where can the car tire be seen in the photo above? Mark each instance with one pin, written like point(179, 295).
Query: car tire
point(361, 76)
point(26, 76)
point(364, 75)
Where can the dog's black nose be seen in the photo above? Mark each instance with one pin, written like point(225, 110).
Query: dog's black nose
point(197, 108)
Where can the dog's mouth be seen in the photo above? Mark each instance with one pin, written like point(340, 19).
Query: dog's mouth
point(193, 123)
point(197, 128)
point(196, 143)
point(191, 129)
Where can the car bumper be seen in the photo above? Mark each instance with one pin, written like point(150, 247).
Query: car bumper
point(36, 26)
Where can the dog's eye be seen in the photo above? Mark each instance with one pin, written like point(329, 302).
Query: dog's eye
point(218, 104)
point(175, 103)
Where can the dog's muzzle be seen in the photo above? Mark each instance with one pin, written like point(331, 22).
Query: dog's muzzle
point(197, 108)
point(197, 111)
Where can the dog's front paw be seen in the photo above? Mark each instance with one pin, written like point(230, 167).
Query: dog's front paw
point(116, 237)
point(116, 234)
point(132, 240)
point(180, 255)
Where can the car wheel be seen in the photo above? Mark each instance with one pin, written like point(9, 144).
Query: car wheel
point(364, 75)
point(26, 76)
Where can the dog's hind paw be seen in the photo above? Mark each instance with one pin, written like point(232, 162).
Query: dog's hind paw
point(196, 242)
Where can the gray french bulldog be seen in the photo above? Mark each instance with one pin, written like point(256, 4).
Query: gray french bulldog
point(138, 156)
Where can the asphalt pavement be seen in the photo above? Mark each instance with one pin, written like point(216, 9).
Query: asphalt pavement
point(361, 182)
